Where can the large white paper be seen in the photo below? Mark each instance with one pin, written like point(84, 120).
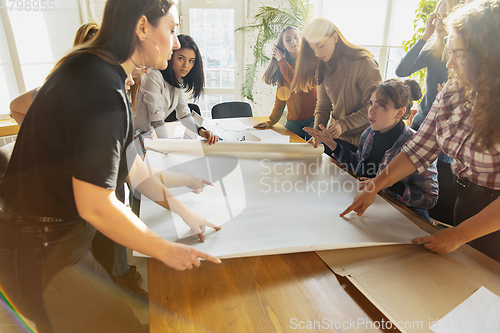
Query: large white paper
point(478, 313)
point(286, 206)
point(232, 125)
point(232, 148)
point(270, 136)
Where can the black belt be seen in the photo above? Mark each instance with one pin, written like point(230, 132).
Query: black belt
point(474, 189)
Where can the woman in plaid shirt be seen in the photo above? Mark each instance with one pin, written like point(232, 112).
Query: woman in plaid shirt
point(388, 104)
point(464, 123)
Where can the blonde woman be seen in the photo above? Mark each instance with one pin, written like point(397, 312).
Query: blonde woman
point(300, 105)
point(343, 72)
point(429, 52)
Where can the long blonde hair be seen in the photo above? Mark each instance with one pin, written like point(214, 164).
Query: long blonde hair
point(435, 44)
point(273, 74)
point(309, 70)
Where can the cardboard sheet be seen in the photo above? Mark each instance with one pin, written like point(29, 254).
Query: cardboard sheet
point(411, 286)
point(278, 206)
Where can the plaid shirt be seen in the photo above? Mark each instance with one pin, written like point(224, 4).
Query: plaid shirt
point(447, 128)
point(421, 189)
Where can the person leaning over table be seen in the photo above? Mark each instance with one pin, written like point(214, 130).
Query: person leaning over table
point(111, 255)
point(464, 123)
point(162, 92)
point(389, 103)
point(69, 158)
point(343, 72)
point(300, 105)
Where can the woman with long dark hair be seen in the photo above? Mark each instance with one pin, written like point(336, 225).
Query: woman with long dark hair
point(300, 105)
point(72, 153)
point(162, 92)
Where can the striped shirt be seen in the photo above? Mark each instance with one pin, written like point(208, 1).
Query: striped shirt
point(447, 129)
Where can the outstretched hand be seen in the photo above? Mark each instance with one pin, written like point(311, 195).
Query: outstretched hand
point(321, 135)
point(264, 124)
point(362, 201)
point(443, 241)
point(197, 184)
point(181, 257)
point(198, 224)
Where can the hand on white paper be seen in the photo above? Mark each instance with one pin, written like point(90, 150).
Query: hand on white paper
point(264, 124)
point(361, 202)
point(443, 241)
point(321, 135)
point(211, 137)
point(197, 184)
point(198, 224)
point(181, 257)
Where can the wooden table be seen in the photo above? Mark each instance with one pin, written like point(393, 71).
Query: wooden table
point(275, 293)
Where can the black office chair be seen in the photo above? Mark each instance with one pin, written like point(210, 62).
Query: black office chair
point(231, 110)
point(173, 116)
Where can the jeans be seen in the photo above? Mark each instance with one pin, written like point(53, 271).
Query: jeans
point(50, 276)
point(423, 213)
point(296, 126)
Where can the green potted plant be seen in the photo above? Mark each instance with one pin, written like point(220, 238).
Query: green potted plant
point(269, 21)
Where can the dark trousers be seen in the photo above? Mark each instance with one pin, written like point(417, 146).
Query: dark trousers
point(50, 276)
point(472, 199)
point(443, 210)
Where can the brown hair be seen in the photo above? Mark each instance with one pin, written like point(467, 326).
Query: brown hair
point(309, 70)
point(477, 24)
point(402, 94)
point(85, 33)
point(273, 74)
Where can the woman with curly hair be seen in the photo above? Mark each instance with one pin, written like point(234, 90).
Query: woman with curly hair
point(464, 123)
point(389, 103)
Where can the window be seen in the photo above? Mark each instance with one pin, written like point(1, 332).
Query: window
point(379, 25)
point(212, 26)
point(32, 41)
